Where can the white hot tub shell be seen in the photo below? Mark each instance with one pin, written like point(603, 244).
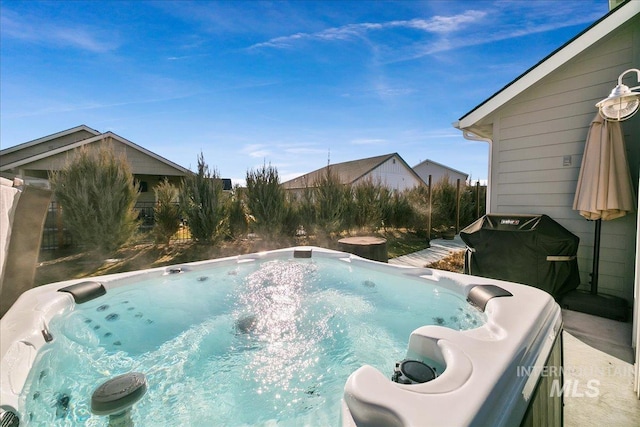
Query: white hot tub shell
point(491, 377)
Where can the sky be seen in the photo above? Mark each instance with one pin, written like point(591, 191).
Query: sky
point(294, 84)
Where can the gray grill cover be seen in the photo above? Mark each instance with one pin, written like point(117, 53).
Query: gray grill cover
point(530, 249)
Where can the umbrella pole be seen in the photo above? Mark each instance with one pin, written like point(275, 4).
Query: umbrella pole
point(596, 258)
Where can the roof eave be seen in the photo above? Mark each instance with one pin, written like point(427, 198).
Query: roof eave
point(440, 164)
point(89, 141)
point(49, 138)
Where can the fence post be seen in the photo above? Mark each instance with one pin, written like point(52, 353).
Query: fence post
point(59, 226)
point(429, 211)
point(477, 199)
point(458, 206)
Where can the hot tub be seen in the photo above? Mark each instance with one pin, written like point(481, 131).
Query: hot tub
point(300, 336)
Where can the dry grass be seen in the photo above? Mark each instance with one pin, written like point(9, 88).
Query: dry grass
point(453, 262)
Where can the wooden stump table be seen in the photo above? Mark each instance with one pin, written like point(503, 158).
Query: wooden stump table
point(374, 248)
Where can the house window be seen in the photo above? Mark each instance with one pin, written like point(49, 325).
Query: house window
point(144, 187)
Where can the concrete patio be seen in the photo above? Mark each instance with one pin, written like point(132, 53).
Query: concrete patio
point(598, 358)
point(598, 353)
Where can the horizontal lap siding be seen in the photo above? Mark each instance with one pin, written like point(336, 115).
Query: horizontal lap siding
point(438, 173)
point(545, 126)
point(393, 175)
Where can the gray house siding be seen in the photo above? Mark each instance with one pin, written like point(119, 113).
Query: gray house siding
point(53, 152)
point(538, 142)
point(145, 168)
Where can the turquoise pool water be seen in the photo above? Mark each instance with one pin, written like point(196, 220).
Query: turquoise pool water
point(257, 343)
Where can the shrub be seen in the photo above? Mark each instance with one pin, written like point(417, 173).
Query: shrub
point(444, 204)
point(266, 200)
point(401, 214)
point(368, 200)
point(333, 202)
point(236, 213)
point(418, 199)
point(290, 220)
point(166, 213)
point(307, 212)
point(97, 193)
point(201, 202)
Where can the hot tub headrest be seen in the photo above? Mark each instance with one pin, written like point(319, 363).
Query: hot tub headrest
point(84, 291)
point(480, 295)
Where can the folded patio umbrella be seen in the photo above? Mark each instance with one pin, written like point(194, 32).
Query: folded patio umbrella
point(604, 190)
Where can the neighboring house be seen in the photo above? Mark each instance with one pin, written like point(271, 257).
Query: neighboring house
point(390, 170)
point(537, 126)
point(438, 171)
point(34, 160)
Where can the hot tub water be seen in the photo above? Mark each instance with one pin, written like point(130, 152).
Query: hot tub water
point(253, 343)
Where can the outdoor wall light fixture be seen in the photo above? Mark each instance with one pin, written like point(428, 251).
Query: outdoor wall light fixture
point(622, 102)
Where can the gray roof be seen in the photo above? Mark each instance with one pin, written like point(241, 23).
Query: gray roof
point(11, 157)
point(347, 172)
point(440, 164)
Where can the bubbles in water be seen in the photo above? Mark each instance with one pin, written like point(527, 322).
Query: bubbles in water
point(272, 346)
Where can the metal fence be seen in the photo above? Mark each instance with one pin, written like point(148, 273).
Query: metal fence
point(56, 236)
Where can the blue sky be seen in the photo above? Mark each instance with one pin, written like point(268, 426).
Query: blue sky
point(279, 82)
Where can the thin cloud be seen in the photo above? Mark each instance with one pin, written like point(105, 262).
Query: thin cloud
point(538, 19)
point(184, 57)
point(522, 32)
point(442, 24)
point(74, 36)
point(256, 151)
point(436, 25)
